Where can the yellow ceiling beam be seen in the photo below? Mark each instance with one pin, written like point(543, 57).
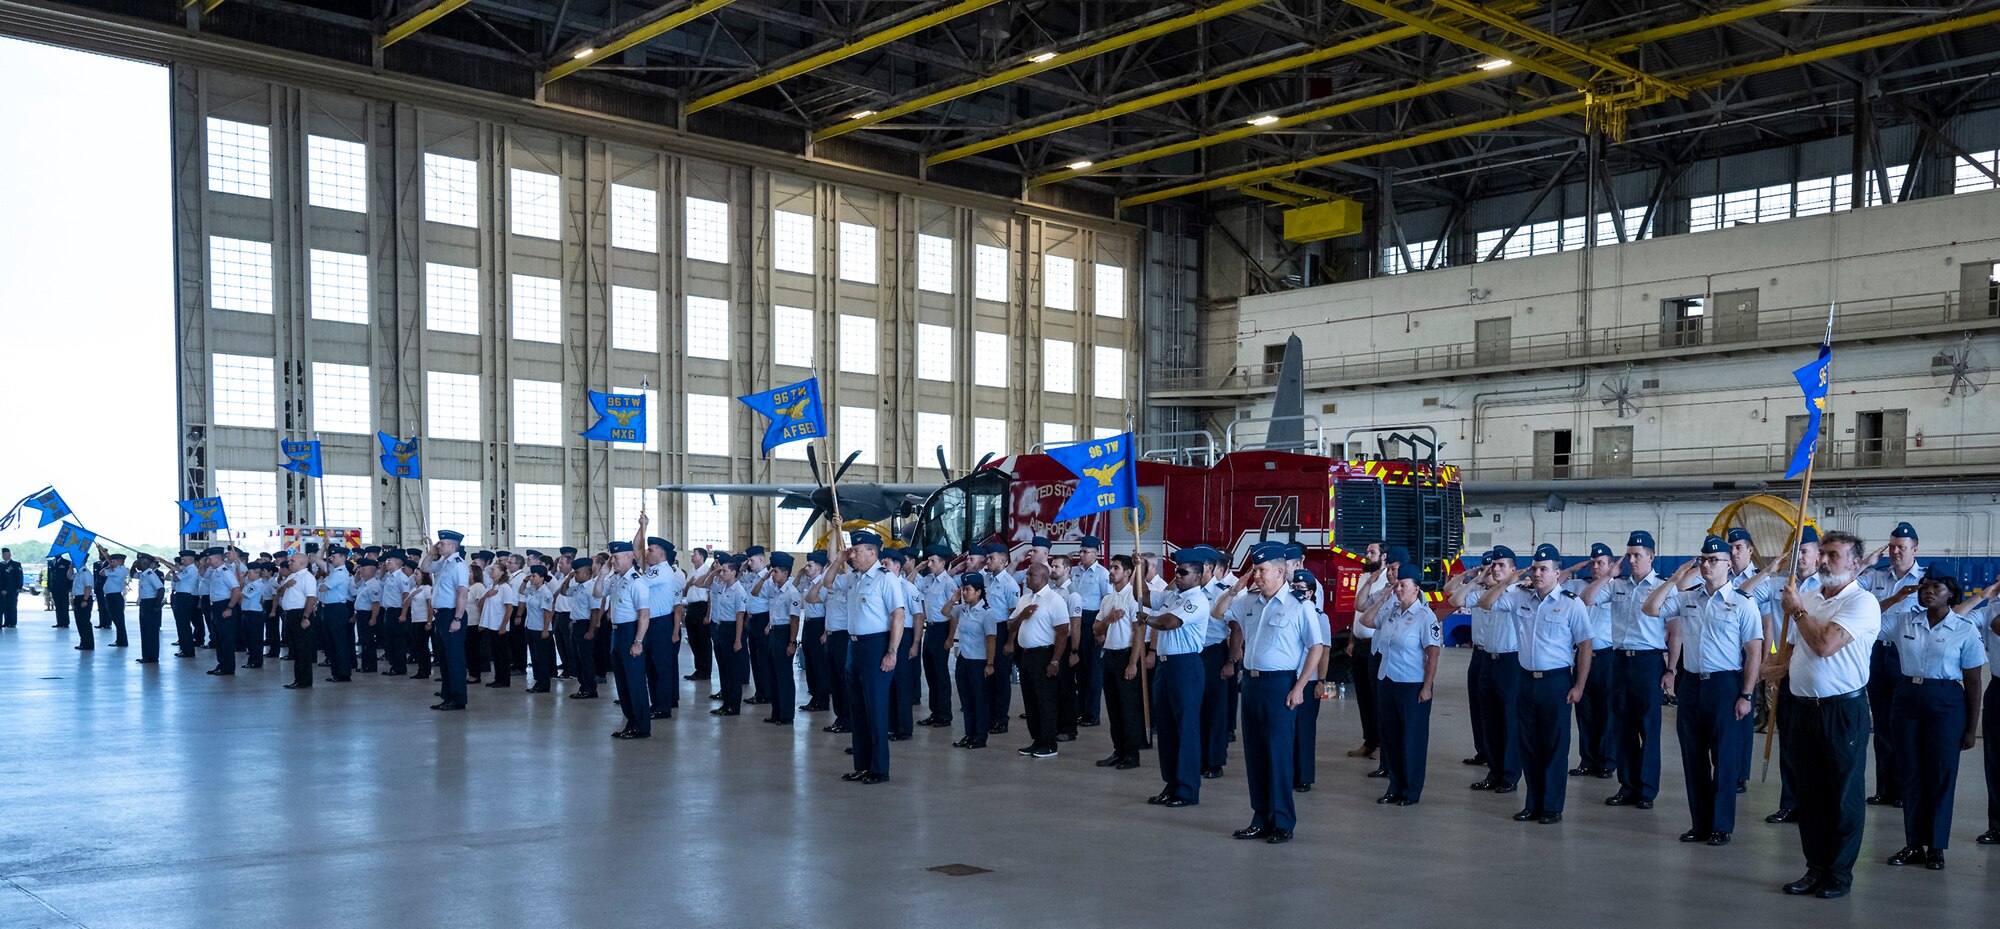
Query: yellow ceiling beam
point(606, 44)
point(413, 20)
point(1241, 178)
point(1629, 41)
point(1304, 190)
point(889, 34)
point(1281, 199)
point(1033, 67)
point(1707, 79)
point(1559, 45)
point(1245, 131)
point(1458, 36)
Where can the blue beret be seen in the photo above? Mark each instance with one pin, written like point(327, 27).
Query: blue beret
point(579, 564)
point(864, 537)
point(1266, 551)
point(1714, 546)
point(1303, 576)
point(614, 548)
point(1089, 541)
point(1739, 534)
point(1547, 552)
point(538, 570)
point(816, 557)
point(1501, 551)
point(1295, 550)
point(1808, 533)
point(972, 579)
point(1599, 548)
point(938, 551)
point(664, 545)
point(1039, 542)
point(753, 551)
point(567, 550)
point(1641, 538)
point(450, 536)
point(1904, 531)
point(781, 560)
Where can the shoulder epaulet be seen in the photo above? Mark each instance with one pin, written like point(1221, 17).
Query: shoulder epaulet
point(1570, 594)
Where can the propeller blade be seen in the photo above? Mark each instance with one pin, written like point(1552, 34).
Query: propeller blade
point(812, 461)
point(983, 459)
point(943, 468)
point(842, 472)
point(810, 523)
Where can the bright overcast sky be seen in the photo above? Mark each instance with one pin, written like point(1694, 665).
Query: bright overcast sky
point(87, 290)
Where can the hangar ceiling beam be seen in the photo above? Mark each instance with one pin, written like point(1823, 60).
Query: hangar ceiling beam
point(644, 28)
point(413, 20)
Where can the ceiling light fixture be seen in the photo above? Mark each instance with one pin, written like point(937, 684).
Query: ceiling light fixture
point(1039, 58)
point(1494, 64)
point(1263, 120)
point(584, 52)
point(860, 114)
point(1080, 165)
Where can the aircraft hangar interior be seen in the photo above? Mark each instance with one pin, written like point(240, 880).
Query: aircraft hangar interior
point(1224, 413)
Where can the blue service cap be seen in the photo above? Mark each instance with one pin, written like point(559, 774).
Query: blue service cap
point(1738, 534)
point(567, 551)
point(376, 549)
point(364, 562)
point(488, 556)
point(531, 553)
point(1303, 576)
point(188, 553)
point(579, 564)
point(503, 553)
point(1089, 541)
point(1904, 531)
point(450, 536)
point(864, 537)
point(395, 553)
point(336, 550)
point(663, 544)
point(938, 551)
point(1399, 553)
point(897, 555)
point(816, 557)
point(1267, 551)
point(1197, 554)
point(1599, 548)
point(614, 548)
point(1641, 538)
point(1714, 546)
point(1040, 541)
point(972, 579)
point(753, 551)
point(1407, 568)
point(538, 570)
point(781, 560)
point(1295, 550)
point(1808, 533)
point(211, 550)
point(1501, 551)
point(413, 553)
point(719, 555)
point(1547, 552)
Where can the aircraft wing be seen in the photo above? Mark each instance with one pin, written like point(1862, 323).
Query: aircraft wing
point(741, 490)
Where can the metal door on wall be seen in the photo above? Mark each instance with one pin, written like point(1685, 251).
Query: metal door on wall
point(1611, 451)
point(1978, 290)
point(1492, 340)
point(1735, 315)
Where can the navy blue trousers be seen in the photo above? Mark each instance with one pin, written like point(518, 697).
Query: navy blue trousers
point(1826, 749)
point(817, 688)
point(1406, 736)
point(1089, 669)
point(1884, 667)
point(784, 685)
point(1477, 672)
point(937, 670)
point(338, 622)
point(904, 683)
point(250, 625)
point(367, 639)
point(1712, 756)
point(1177, 695)
point(1635, 719)
point(754, 639)
point(663, 663)
point(1594, 746)
point(1989, 740)
point(1500, 700)
point(630, 674)
point(222, 635)
point(149, 629)
point(1542, 712)
point(451, 654)
point(583, 656)
point(972, 703)
point(839, 677)
point(113, 615)
point(871, 687)
point(1214, 706)
point(1269, 736)
point(1305, 738)
point(732, 663)
point(1000, 687)
point(1927, 722)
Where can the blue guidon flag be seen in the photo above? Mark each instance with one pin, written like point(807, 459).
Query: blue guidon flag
point(73, 541)
point(620, 417)
point(1106, 477)
point(204, 515)
point(301, 457)
point(400, 458)
point(794, 411)
point(1813, 380)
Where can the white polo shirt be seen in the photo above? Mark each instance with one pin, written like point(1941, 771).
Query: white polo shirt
point(1051, 611)
point(1854, 609)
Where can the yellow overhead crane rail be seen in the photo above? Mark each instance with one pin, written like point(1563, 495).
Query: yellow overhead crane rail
point(207, 6)
point(657, 22)
point(1708, 79)
point(413, 20)
point(891, 33)
point(1044, 61)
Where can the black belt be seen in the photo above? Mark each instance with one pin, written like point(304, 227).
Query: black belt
point(1879, 643)
point(1636, 652)
point(1705, 675)
point(1936, 680)
point(1253, 672)
point(1836, 698)
point(1538, 675)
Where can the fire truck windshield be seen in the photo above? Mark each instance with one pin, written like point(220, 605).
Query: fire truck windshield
point(970, 509)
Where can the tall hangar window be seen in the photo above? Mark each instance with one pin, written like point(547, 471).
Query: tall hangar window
point(451, 190)
point(239, 275)
point(336, 174)
point(239, 158)
point(635, 218)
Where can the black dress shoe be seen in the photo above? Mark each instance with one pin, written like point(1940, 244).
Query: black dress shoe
point(1581, 771)
point(1908, 855)
point(1804, 885)
point(848, 750)
point(633, 735)
point(1108, 762)
point(662, 714)
point(1387, 799)
point(1934, 859)
point(1505, 788)
point(1781, 816)
point(449, 706)
point(1176, 803)
point(1719, 839)
point(854, 775)
point(339, 680)
point(1694, 835)
point(297, 686)
point(1379, 772)
point(900, 737)
point(1483, 785)
point(618, 732)
point(1643, 804)
point(998, 729)
point(1302, 788)
point(501, 684)
point(1550, 819)
point(1065, 736)
point(1159, 799)
point(1278, 836)
point(218, 672)
point(1618, 799)
point(1406, 802)
point(873, 778)
point(1475, 761)
point(582, 696)
point(1210, 774)
point(1128, 764)
point(1526, 815)
point(1831, 891)
point(715, 696)
point(1989, 837)
point(723, 711)
point(838, 729)
point(1880, 800)
point(1250, 832)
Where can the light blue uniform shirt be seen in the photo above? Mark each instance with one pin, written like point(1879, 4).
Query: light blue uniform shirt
point(395, 585)
point(975, 623)
point(810, 611)
point(578, 600)
point(336, 587)
point(783, 602)
point(938, 590)
point(1400, 638)
point(753, 603)
point(254, 594)
point(1218, 629)
point(835, 602)
point(663, 590)
point(220, 583)
point(628, 597)
point(1191, 606)
point(1278, 632)
point(872, 599)
point(1548, 628)
point(1631, 628)
point(1600, 615)
point(150, 585)
point(1003, 591)
point(913, 598)
point(1884, 582)
point(1090, 585)
point(1940, 652)
point(447, 576)
point(367, 594)
point(115, 579)
point(188, 580)
point(1983, 618)
point(535, 604)
point(725, 602)
point(1713, 627)
point(1495, 630)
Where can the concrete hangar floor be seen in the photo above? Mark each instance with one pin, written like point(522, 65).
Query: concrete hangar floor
point(159, 797)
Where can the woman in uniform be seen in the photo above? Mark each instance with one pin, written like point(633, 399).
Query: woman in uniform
point(1408, 638)
point(1935, 714)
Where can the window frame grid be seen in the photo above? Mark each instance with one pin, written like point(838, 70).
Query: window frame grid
point(335, 407)
point(449, 393)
